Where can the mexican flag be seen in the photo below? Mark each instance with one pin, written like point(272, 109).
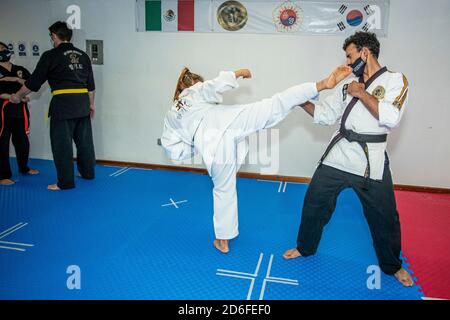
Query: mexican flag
point(173, 15)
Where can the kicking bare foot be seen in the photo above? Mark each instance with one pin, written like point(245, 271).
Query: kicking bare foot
point(6, 182)
point(291, 254)
point(404, 278)
point(338, 74)
point(33, 172)
point(222, 245)
point(53, 187)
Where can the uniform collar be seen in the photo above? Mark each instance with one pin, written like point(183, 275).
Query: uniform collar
point(6, 71)
point(186, 91)
point(373, 77)
point(65, 45)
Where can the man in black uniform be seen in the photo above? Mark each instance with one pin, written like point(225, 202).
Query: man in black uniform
point(69, 74)
point(14, 118)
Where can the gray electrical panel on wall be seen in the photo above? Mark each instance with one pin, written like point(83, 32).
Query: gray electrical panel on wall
point(94, 49)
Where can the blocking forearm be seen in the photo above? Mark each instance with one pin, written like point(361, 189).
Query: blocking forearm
point(91, 97)
point(371, 103)
point(309, 108)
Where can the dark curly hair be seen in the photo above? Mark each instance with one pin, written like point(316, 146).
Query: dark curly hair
point(364, 39)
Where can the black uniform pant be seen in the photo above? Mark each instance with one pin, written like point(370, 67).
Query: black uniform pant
point(14, 128)
point(379, 206)
point(62, 135)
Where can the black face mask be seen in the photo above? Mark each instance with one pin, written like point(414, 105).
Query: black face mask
point(5, 55)
point(358, 67)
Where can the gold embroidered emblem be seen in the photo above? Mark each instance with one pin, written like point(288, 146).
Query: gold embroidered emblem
point(379, 92)
point(232, 15)
point(74, 58)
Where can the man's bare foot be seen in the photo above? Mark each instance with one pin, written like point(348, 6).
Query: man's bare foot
point(291, 254)
point(222, 245)
point(33, 172)
point(404, 278)
point(53, 187)
point(6, 182)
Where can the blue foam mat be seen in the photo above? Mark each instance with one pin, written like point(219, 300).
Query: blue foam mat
point(131, 242)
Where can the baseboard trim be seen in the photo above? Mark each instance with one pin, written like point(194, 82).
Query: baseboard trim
point(252, 175)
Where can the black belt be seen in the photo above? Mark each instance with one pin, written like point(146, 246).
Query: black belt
point(362, 140)
point(351, 136)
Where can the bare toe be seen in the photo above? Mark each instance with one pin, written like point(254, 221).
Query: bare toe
point(218, 245)
point(7, 182)
point(291, 254)
point(404, 278)
point(53, 187)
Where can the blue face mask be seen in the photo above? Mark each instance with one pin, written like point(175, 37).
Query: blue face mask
point(5, 55)
point(358, 67)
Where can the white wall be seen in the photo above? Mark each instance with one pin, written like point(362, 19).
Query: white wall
point(135, 85)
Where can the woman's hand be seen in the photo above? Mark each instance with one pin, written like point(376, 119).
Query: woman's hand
point(244, 73)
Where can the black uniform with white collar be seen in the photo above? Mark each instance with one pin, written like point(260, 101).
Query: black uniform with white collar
point(68, 71)
point(14, 123)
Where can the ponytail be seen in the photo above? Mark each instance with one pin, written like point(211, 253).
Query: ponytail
point(185, 80)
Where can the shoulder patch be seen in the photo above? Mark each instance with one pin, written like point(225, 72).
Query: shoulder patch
point(379, 93)
point(400, 100)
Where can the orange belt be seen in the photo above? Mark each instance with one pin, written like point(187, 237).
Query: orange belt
point(27, 122)
point(3, 116)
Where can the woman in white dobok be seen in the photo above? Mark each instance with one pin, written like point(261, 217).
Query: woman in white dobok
point(198, 122)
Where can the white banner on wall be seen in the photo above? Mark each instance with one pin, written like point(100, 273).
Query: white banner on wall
point(307, 17)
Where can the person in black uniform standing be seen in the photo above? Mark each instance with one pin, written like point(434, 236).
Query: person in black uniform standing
point(14, 118)
point(68, 71)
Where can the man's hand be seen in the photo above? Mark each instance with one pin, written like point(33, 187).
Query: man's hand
point(92, 111)
point(5, 96)
point(245, 73)
point(14, 99)
point(356, 89)
point(11, 79)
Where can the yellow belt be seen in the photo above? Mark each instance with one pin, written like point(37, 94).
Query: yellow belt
point(69, 91)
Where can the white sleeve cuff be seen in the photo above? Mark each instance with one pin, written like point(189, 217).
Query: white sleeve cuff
point(388, 115)
point(229, 78)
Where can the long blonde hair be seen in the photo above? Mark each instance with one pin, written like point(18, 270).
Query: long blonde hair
point(186, 80)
